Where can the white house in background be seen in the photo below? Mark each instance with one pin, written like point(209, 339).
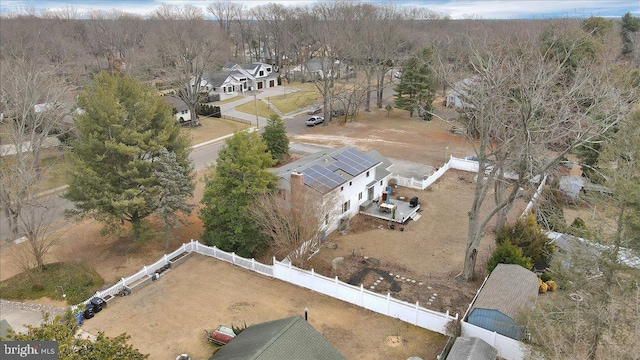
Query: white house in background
point(258, 75)
point(345, 175)
point(183, 114)
point(236, 78)
point(454, 98)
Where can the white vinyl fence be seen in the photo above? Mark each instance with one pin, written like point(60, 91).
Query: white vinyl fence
point(453, 163)
point(386, 305)
point(508, 348)
point(357, 295)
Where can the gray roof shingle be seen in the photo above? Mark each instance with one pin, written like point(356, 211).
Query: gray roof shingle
point(289, 338)
point(509, 289)
point(472, 348)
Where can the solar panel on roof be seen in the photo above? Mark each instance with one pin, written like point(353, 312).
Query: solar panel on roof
point(332, 167)
point(353, 161)
point(321, 178)
point(348, 168)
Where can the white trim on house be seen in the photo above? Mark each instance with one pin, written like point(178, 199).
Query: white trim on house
point(352, 192)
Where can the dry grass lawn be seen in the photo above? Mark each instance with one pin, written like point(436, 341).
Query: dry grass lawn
point(212, 128)
point(168, 317)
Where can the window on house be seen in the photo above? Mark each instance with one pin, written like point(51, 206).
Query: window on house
point(350, 183)
point(346, 206)
point(360, 196)
point(269, 69)
point(367, 174)
point(326, 219)
point(261, 73)
point(380, 182)
point(341, 188)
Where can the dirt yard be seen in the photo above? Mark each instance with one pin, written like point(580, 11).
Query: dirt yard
point(169, 317)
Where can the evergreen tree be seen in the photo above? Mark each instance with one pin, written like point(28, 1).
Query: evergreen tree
point(240, 176)
point(123, 129)
point(630, 24)
point(175, 187)
point(507, 253)
point(416, 90)
point(275, 136)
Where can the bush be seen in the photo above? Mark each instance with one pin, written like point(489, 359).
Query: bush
point(507, 253)
point(208, 110)
point(551, 285)
point(527, 235)
point(545, 277)
point(578, 228)
point(543, 288)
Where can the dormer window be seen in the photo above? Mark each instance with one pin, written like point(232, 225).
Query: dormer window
point(261, 73)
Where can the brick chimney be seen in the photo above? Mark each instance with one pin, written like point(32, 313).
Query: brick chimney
point(297, 184)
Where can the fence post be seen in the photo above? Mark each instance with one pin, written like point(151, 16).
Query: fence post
point(313, 279)
point(274, 267)
point(361, 295)
point(166, 260)
point(417, 305)
point(388, 303)
point(336, 282)
point(214, 252)
point(290, 273)
point(124, 283)
point(233, 258)
point(253, 263)
point(145, 270)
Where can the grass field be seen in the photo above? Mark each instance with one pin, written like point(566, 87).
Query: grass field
point(77, 282)
point(250, 108)
point(212, 128)
point(307, 95)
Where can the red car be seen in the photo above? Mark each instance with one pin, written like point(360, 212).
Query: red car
point(220, 336)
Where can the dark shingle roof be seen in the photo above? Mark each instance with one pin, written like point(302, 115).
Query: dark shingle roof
point(283, 339)
point(178, 103)
point(472, 348)
point(509, 289)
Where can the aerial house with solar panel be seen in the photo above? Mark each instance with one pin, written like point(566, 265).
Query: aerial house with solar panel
point(356, 181)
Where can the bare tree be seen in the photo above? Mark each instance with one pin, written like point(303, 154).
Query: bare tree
point(193, 48)
point(37, 222)
point(33, 100)
point(225, 13)
point(524, 114)
point(295, 224)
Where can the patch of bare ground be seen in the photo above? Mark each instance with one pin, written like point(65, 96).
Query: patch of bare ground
point(168, 317)
point(424, 256)
point(396, 136)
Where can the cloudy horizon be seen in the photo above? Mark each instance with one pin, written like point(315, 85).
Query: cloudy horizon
point(455, 9)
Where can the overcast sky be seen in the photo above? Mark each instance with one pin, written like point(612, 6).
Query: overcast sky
point(456, 9)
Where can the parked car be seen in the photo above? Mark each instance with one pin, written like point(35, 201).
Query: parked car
point(397, 74)
point(315, 110)
point(314, 120)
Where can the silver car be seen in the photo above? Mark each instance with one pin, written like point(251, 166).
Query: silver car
point(314, 120)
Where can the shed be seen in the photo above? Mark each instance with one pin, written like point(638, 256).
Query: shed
point(571, 185)
point(288, 338)
point(472, 348)
point(508, 290)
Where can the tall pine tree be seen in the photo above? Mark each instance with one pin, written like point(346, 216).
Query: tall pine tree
point(123, 128)
point(416, 90)
point(240, 176)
